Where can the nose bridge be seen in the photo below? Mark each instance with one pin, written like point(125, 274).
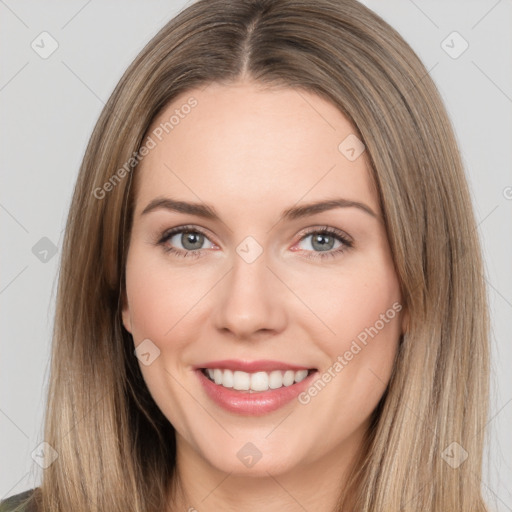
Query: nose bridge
point(249, 299)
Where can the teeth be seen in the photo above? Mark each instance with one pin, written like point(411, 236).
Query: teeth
point(288, 378)
point(241, 381)
point(275, 379)
point(228, 379)
point(300, 375)
point(259, 381)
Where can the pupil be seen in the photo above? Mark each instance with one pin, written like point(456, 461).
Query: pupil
point(321, 241)
point(192, 241)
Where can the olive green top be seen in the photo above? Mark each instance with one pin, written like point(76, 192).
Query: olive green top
point(18, 503)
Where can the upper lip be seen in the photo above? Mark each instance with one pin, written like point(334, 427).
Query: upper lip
point(251, 366)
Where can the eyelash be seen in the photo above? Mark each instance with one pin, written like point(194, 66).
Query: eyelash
point(324, 230)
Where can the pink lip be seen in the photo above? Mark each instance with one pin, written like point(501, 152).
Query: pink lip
point(251, 366)
point(252, 404)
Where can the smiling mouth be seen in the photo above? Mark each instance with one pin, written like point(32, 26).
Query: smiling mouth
point(256, 382)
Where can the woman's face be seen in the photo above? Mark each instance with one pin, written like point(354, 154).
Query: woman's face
point(258, 255)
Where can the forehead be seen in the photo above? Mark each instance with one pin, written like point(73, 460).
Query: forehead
point(227, 143)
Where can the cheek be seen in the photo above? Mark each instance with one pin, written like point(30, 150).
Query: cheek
point(159, 296)
point(362, 309)
point(366, 307)
point(148, 302)
point(354, 303)
point(161, 307)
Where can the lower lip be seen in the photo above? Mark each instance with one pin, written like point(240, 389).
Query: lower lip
point(256, 403)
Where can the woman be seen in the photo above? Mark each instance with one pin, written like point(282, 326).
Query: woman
point(270, 293)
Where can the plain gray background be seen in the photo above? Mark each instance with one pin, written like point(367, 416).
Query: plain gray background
point(49, 107)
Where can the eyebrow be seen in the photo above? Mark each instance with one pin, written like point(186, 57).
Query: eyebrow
point(296, 212)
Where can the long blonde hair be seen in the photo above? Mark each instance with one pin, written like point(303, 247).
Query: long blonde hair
point(116, 449)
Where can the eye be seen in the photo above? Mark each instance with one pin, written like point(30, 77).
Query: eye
point(324, 242)
point(189, 241)
point(185, 241)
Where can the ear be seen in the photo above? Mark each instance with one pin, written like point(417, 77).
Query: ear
point(125, 314)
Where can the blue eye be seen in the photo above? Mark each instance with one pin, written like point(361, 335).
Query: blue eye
point(325, 242)
point(188, 241)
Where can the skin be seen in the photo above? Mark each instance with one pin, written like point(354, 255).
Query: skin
point(251, 153)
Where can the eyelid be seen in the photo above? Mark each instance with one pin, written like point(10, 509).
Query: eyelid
point(168, 233)
point(181, 253)
point(325, 229)
point(345, 240)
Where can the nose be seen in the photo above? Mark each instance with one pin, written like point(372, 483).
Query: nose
point(250, 301)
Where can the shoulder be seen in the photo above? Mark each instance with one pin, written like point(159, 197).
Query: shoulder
point(19, 502)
